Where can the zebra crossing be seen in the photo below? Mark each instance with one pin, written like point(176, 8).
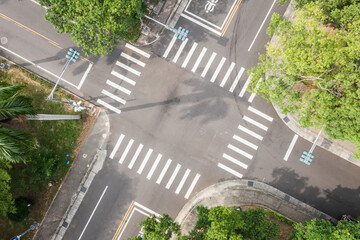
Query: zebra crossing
point(202, 60)
point(241, 150)
point(118, 88)
point(154, 166)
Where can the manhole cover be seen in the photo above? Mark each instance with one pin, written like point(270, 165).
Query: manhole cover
point(3, 40)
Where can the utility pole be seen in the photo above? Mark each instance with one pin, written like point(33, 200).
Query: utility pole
point(32, 227)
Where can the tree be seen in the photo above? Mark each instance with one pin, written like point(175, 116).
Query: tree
point(311, 69)
point(323, 230)
point(6, 201)
point(96, 25)
point(22, 209)
point(15, 146)
point(159, 228)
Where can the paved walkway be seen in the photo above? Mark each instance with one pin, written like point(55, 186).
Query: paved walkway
point(241, 192)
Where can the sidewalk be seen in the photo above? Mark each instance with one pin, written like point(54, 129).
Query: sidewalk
point(241, 192)
point(73, 189)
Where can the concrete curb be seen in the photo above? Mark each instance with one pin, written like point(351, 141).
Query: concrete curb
point(241, 192)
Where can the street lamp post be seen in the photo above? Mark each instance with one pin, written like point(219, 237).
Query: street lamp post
point(32, 227)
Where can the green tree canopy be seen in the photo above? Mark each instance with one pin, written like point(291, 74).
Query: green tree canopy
point(6, 200)
point(312, 68)
point(96, 25)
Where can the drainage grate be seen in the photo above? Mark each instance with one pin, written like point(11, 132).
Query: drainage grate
point(83, 189)
point(65, 224)
point(287, 198)
point(250, 183)
point(286, 119)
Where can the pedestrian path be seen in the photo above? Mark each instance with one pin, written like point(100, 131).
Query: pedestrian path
point(210, 66)
point(123, 78)
point(154, 166)
point(243, 145)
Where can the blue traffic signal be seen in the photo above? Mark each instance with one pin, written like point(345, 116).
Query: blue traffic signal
point(306, 158)
point(72, 55)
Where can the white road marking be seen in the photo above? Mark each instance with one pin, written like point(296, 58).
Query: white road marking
point(233, 160)
point(136, 155)
point(247, 143)
point(239, 151)
point(191, 52)
point(132, 59)
point(146, 159)
point(137, 50)
point(118, 111)
point(252, 121)
point(261, 26)
point(237, 79)
point(126, 67)
point(172, 178)
point(146, 209)
point(117, 145)
point(252, 96)
point(84, 76)
point(109, 94)
point(181, 184)
point(239, 175)
point(123, 156)
point(191, 188)
point(292, 144)
point(243, 90)
point(200, 24)
point(171, 44)
point(261, 114)
point(196, 65)
point(211, 59)
point(179, 51)
point(213, 78)
point(227, 74)
point(124, 90)
point(251, 133)
point(122, 77)
point(163, 171)
point(154, 166)
point(92, 214)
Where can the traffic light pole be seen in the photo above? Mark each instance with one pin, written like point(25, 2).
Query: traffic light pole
point(51, 96)
point(314, 144)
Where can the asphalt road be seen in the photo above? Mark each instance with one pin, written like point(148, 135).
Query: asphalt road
point(182, 125)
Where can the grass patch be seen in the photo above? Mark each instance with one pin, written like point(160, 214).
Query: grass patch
point(280, 217)
point(59, 136)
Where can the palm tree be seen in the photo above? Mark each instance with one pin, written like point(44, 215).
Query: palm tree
point(14, 145)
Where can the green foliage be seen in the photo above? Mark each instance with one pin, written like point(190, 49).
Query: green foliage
point(6, 201)
point(280, 217)
point(96, 25)
point(22, 209)
point(322, 230)
point(311, 71)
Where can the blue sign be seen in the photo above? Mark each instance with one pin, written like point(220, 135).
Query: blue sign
point(15, 238)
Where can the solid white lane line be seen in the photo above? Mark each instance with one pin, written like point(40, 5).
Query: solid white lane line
point(243, 90)
point(239, 175)
point(227, 75)
point(141, 52)
point(261, 114)
point(92, 214)
point(132, 59)
point(247, 143)
point(163, 171)
point(292, 144)
point(239, 151)
point(118, 111)
point(124, 90)
point(191, 188)
point(252, 121)
point(196, 65)
point(154, 166)
point(146, 159)
point(179, 51)
point(252, 96)
point(117, 145)
point(211, 59)
point(181, 184)
point(136, 155)
point(261, 25)
point(213, 78)
point(251, 133)
point(126, 151)
point(233, 160)
point(191, 52)
point(200, 24)
point(84, 76)
point(172, 178)
point(122, 77)
point(171, 44)
point(126, 67)
point(237, 79)
point(109, 94)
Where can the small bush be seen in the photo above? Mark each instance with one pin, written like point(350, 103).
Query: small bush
point(280, 217)
point(22, 209)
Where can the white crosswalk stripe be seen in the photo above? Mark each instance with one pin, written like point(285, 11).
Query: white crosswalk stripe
point(126, 67)
point(251, 133)
point(141, 52)
point(163, 171)
point(216, 73)
point(154, 166)
point(181, 184)
point(239, 151)
point(196, 65)
point(119, 99)
point(171, 44)
point(252, 96)
point(118, 87)
point(233, 160)
point(191, 52)
point(123, 156)
point(179, 51)
point(206, 69)
point(191, 188)
point(172, 178)
point(132, 59)
point(227, 75)
point(246, 85)
point(146, 159)
point(118, 111)
point(122, 77)
point(117, 145)
point(255, 123)
point(236, 81)
point(261, 114)
point(232, 171)
point(247, 143)
point(136, 155)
